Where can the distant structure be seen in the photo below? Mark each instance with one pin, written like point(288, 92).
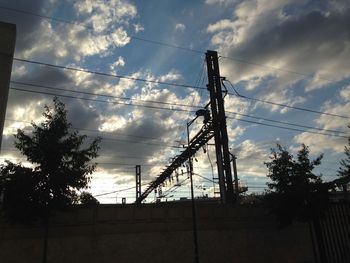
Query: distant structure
point(7, 48)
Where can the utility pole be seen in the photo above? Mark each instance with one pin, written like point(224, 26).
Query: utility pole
point(220, 129)
point(235, 177)
point(138, 181)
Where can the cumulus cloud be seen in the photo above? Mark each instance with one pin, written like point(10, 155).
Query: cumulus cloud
point(97, 28)
point(213, 2)
point(269, 40)
point(321, 143)
point(180, 27)
point(120, 62)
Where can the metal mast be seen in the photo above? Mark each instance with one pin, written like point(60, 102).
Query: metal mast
point(215, 126)
point(220, 130)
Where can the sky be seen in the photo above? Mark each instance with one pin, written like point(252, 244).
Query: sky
point(285, 52)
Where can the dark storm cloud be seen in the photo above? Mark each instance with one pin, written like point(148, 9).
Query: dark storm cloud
point(309, 32)
point(304, 41)
point(49, 76)
point(26, 24)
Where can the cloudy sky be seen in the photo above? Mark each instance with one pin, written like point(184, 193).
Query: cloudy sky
point(285, 52)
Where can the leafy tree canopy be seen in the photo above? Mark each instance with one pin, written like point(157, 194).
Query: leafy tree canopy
point(344, 170)
point(295, 193)
point(86, 198)
point(61, 166)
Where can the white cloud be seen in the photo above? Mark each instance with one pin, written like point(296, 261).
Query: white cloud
point(120, 62)
point(320, 143)
point(116, 9)
point(18, 71)
point(112, 123)
point(120, 37)
point(180, 27)
point(345, 93)
point(99, 28)
point(265, 36)
point(220, 25)
point(172, 75)
point(138, 28)
point(251, 156)
point(220, 2)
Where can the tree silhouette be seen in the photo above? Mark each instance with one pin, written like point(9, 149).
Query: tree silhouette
point(86, 198)
point(295, 193)
point(61, 166)
point(344, 169)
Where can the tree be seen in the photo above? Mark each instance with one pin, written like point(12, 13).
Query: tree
point(60, 167)
point(86, 198)
point(344, 169)
point(295, 193)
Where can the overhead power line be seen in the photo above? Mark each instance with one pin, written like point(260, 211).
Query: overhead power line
point(98, 100)
point(103, 95)
point(194, 106)
point(182, 110)
point(95, 131)
point(117, 191)
point(106, 74)
point(285, 123)
point(281, 104)
point(290, 107)
point(98, 163)
point(184, 86)
point(289, 128)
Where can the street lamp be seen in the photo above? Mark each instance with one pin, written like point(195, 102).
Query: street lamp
point(205, 113)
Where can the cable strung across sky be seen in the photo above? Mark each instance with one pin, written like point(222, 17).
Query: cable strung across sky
point(193, 111)
point(178, 85)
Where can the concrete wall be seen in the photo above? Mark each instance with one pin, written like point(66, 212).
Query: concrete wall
point(7, 47)
point(158, 233)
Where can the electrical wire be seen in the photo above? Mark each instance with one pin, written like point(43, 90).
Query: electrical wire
point(94, 131)
point(153, 107)
point(182, 85)
point(102, 95)
point(161, 108)
point(99, 163)
point(288, 128)
point(205, 178)
point(284, 122)
point(168, 45)
point(98, 100)
point(117, 191)
point(106, 74)
point(283, 105)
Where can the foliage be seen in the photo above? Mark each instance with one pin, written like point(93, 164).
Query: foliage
point(60, 167)
point(295, 192)
point(86, 198)
point(344, 170)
